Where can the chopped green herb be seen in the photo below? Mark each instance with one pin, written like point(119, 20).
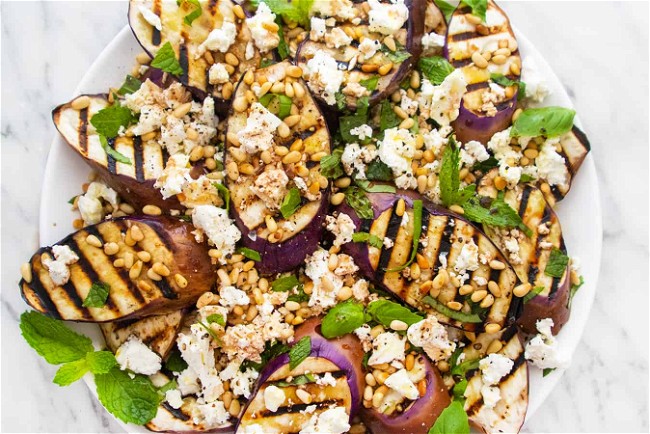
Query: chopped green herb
point(574, 289)
point(341, 100)
point(100, 362)
point(250, 253)
point(370, 239)
point(112, 152)
point(170, 385)
point(72, 199)
point(291, 203)
point(296, 10)
point(165, 59)
point(175, 362)
point(189, 18)
point(435, 68)
point(557, 263)
point(330, 165)
point(445, 8)
point(452, 420)
point(498, 214)
point(370, 83)
point(532, 293)
point(387, 116)
point(374, 188)
point(464, 367)
point(450, 191)
point(377, 170)
point(525, 178)
point(298, 380)
point(485, 166)
point(397, 56)
point(216, 318)
point(299, 352)
point(505, 81)
point(453, 314)
point(265, 63)
point(129, 399)
point(284, 284)
point(417, 231)
point(97, 295)
point(224, 193)
point(209, 330)
point(385, 311)
point(70, 372)
point(459, 389)
point(479, 7)
point(279, 105)
point(131, 85)
point(283, 48)
point(545, 121)
point(300, 296)
point(109, 120)
point(357, 199)
point(342, 319)
point(364, 362)
point(547, 371)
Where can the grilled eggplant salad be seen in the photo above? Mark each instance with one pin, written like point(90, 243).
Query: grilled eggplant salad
point(314, 216)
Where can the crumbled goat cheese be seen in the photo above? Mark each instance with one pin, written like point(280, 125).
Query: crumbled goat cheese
point(410, 106)
point(137, 357)
point(342, 227)
point(243, 341)
point(148, 94)
point(388, 243)
point(387, 18)
point(512, 174)
point(151, 119)
point(273, 398)
point(342, 9)
point(396, 150)
point(491, 395)
point(467, 260)
point(473, 152)
point(218, 227)
point(241, 383)
point(197, 350)
point(211, 415)
point(173, 398)
point(541, 351)
point(362, 131)
point(231, 297)
point(387, 347)
point(200, 191)
point(551, 165)
point(172, 135)
point(271, 187)
point(250, 50)
point(431, 336)
point(326, 380)
point(511, 245)
point(368, 48)
point(90, 206)
point(219, 39)
point(442, 103)
point(260, 127)
point(318, 29)
point(58, 267)
point(433, 41)
point(259, 25)
point(355, 89)
point(355, 158)
point(360, 290)
point(436, 140)
point(401, 383)
point(337, 38)
point(536, 87)
point(324, 76)
point(494, 367)
point(175, 176)
point(327, 284)
point(334, 420)
point(363, 333)
point(150, 17)
point(218, 74)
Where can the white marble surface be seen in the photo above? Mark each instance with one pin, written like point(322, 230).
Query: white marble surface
point(598, 49)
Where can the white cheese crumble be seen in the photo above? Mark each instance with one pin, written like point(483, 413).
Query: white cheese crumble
point(337, 38)
point(212, 414)
point(355, 158)
point(368, 48)
point(173, 398)
point(494, 367)
point(433, 41)
point(218, 227)
point(432, 337)
point(387, 18)
point(473, 152)
point(410, 106)
point(342, 9)
point(260, 127)
point(150, 17)
point(537, 88)
point(219, 39)
point(58, 268)
point(218, 74)
point(90, 206)
point(467, 260)
point(241, 383)
point(491, 395)
point(196, 349)
point(442, 103)
point(326, 380)
point(271, 187)
point(151, 119)
point(401, 383)
point(231, 297)
point(397, 150)
point(541, 351)
point(324, 76)
point(362, 131)
point(332, 421)
point(318, 29)
point(387, 347)
point(137, 357)
point(273, 398)
point(327, 284)
point(363, 333)
point(551, 165)
point(175, 176)
point(259, 24)
point(342, 227)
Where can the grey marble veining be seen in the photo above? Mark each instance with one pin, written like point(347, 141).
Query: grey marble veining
point(598, 49)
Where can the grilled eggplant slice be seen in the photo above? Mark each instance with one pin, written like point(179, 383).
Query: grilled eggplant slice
point(133, 182)
point(332, 376)
point(510, 411)
point(353, 64)
point(483, 111)
point(186, 41)
point(443, 237)
point(418, 416)
point(158, 332)
point(268, 165)
point(532, 254)
point(168, 241)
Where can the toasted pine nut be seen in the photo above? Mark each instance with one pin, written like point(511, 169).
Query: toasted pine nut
point(398, 325)
point(231, 59)
point(144, 256)
point(239, 13)
point(522, 290)
point(337, 199)
point(292, 157)
point(494, 288)
point(161, 269)
point(135, 271)
point(487, 301)
point(466, 289)
point(111, 248)
point(400, 208)
point(81, 102)
point(497, 265)
point(457, 209)
point(492, 328)
point(344, 293)
point(151, 274)
point(494, 347)
point(94, 241)
point(182, 110)
point(385, 69)
point(240, 104)
point(499, 59)
point(478, 295)
point(500, 182)
point(180, 280)
point(151, 210)
point(284, 131)
point(26, 272)
point(479, 60)
point(454, 305)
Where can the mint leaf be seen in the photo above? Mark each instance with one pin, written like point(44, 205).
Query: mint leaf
point(397, 56)
point(100, 362)
point(377, 170)
point(97, 295)
point(131, 85)
point(279, 105)
point(449, 174)
point(498, 214)
point(485, 166)
point(250, 253)
point(175, 362)
point(297, 10)
point(52, 339)
point(165, 59)
point(545, 121)
point(370, 83)
point(70, 372)
point(283, 48)
point(479, 7)
point(224, 193)
point(291, 203)
point(357, 199)
point(365, 237)
point(557, 263)
point(575, 288)
point(216, 318)
point(387, 116)
point(284, 284)
point(374, 188)
point(386, 311)
point(342, 319)
point(109, 120)
point(129, 399)
point(452, 420)
point(435, 68)
point(299, 352)
point(453, 314)
point(171, 385)
point(533, 293)
point(330, 165)
point(505, 81)
point(445, 8)
point(112, 152)
point(547, 371)
point(462, 368)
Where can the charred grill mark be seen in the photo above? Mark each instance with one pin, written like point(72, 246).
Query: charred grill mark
point(42, 294)
point(477, 86)
point(92, 230)
point(287, 409)
point(461, 62)
point(83, 130)
point(445, 243)
point(555, 284)
point(508, 333)
point(391, 233)
point(71, 291)
point(582, 138)
point(155, 33)
point(110, 161)
point(139, 158)
point(557, 194)
point(177, 413)
point(495, 274)
point(465, 36)
point(87, 267)
point(184, 61)
point(212, 7)
point(366, 224)
point(166, 289)
point(567, 163)
point(525, 196)
point(532, 271)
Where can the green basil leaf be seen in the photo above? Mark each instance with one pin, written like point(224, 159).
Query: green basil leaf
point(165, 59)
point(386, 311)
point(284, 284)
point(445, 8)
point(175, 362)
point(250, 254)
point(70, 372)
point(532, 293)
point(387, 117)
point(545, 121)
point(342, 319)
point(377, 170)
point(300, 296)
point(459, 389)
point(112, 152)
point(357, 199)
point(330, 165)
point(479, 7)
point(299, 352)
point(100, 362)
point(505, 81)
point(365, 237)
point(129, 399)
point(131, 85)
point(452, 420)
point(435, 68)
point(109, 120)
point(453, 314)
point(291, 203)
point(499, 214)
point(97, 295)
point(216, 318)
point(375, 188)
point(557, 263)
point(370, 83)
point(464, 367)
point(347, 123)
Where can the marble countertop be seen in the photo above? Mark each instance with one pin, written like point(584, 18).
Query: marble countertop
point(598, 49)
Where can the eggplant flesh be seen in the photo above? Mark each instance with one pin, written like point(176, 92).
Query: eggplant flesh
point(254, 195)
point(444, 235)
point(575, 147)
point(510, 411)
point(168, 241)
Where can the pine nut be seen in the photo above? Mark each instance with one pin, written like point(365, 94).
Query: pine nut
point(479, 60)
point(492, 328)
point(407, 124)
point(499, 182)
point(151, 274)
point(143, 58)
point(376, 331)
point(135, 271)
point(118, 263)
point(26, 272)
point(443, 366)
point(180, 280)
point(136, 233)
point(487, 301)
point(503, 51)
point(478, 295)
point(161, 269)
point(494, 347)
point(94, 241)
point(128, 260)
point(144, 256)
point(284, 131)
point(499, 59)
point(385, 69)
point(370, 381)
point(409, 362)
point(441, 279)
point(369, 67)
point(231, 59)
point(292, 157)
point(400, 208)
point(494, 288)
point(240, 104)
point(111, 248)
point(344, 293)
point(318, 156)
point(522, 290)
point(368, 392)
point(151, 210)
point(81, 102)
point(454, 305)
point(497, 265)
point(292, 120)
point(182, 110)
point(390, 43)
point(239, 13)
point(457, 209)
point(232, 171)
point(466, 289)
point(294, 71)
point(398, 325)
point(337, 199)
point(234, 408)
point(422, 387)
point(303, 396)
point(377, 399)
point(516, 114)
point(473, 19)
point(223, 277)
point(399, 111)
point(298, 89)
point(515, 69)
point(271, 225)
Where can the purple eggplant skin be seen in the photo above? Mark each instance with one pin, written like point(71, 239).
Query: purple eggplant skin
point(419, 417)
point(555, 307)
point(470, 126)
